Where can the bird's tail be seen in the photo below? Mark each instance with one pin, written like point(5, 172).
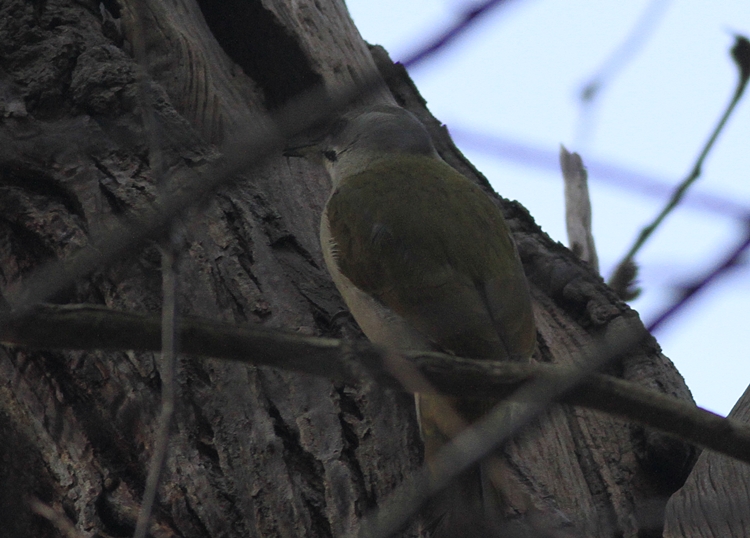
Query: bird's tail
point(485, 499)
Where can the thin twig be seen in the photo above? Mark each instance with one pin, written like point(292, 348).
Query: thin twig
point(740, 55)
point(167, 374)
point(689, 291)
point(639, 34)
point(470, 17)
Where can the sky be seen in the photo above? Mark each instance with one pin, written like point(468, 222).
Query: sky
point(509, 92)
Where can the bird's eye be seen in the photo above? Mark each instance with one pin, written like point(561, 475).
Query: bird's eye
point(330, 155)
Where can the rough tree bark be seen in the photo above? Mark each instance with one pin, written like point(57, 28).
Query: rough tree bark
point(254, 451)
point(715, 500)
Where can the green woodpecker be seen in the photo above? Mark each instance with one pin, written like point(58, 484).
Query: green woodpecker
point(421, 255)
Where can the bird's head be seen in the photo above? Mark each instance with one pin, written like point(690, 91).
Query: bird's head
point(356, 140)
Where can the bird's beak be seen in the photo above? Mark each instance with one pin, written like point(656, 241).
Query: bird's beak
point(311, 151)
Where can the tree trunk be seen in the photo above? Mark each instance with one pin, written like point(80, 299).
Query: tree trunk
point(254, 451)
point(715, 501)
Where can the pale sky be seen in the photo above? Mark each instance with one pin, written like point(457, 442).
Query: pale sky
point(515, 78)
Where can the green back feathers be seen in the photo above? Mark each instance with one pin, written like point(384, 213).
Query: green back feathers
point(428, 243)
point(405, 219)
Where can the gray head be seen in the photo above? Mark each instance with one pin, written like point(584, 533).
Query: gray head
point(367, 135)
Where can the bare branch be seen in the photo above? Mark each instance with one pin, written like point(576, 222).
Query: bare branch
point(741, 55)
point(94, 327)
point(470, 17)
point(731, 260)
point(578, 208)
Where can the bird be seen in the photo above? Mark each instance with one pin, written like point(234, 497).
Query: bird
point(422, 257)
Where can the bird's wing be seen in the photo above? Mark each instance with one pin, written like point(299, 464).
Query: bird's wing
point(406, 239)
